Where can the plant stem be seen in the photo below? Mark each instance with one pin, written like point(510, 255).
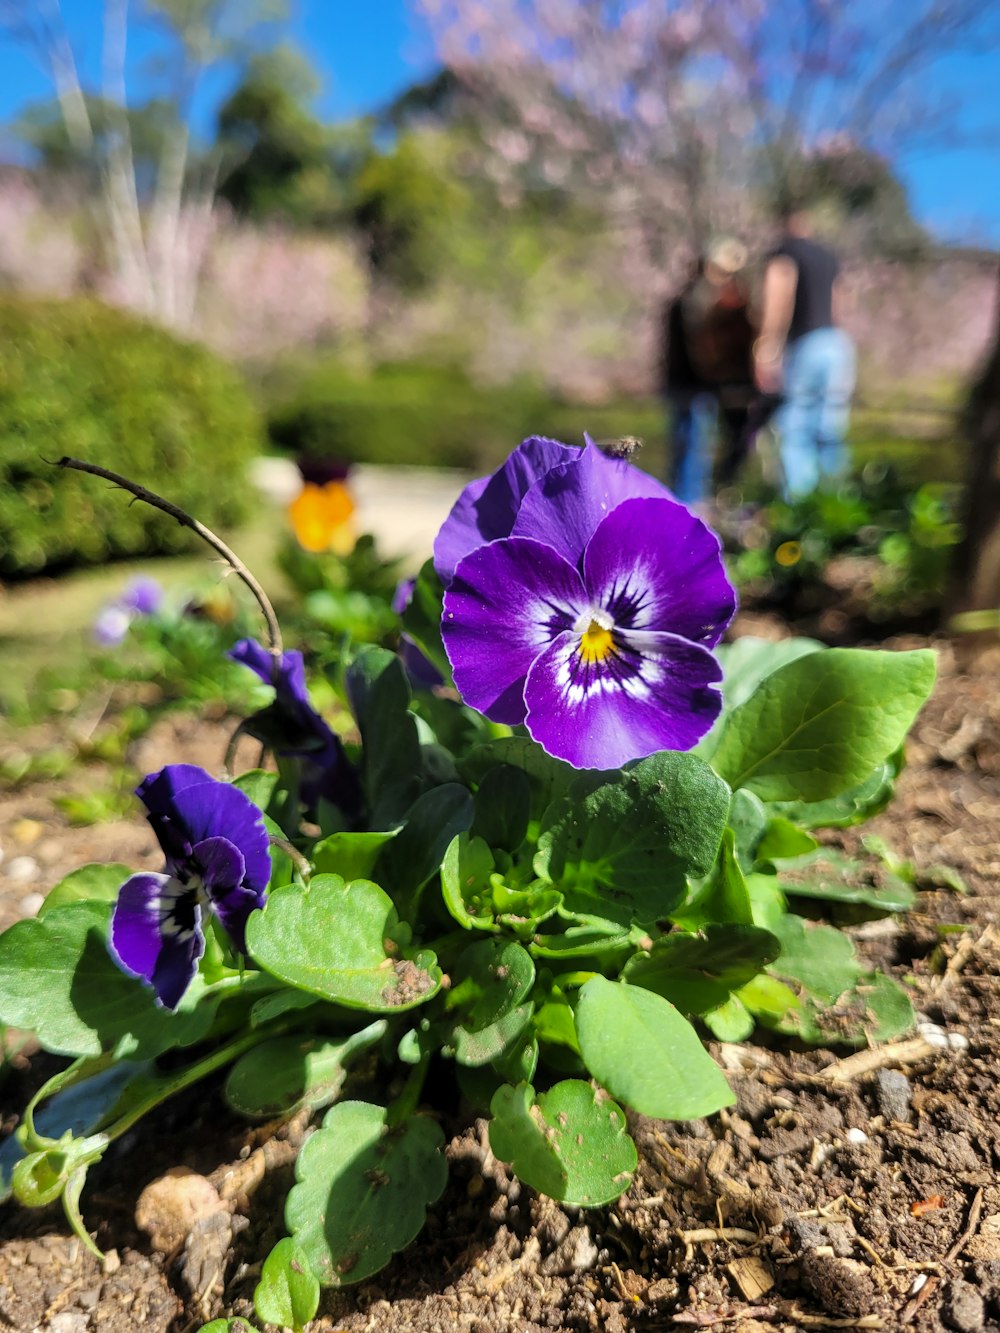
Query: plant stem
point(206, 534)
point(409, 1099)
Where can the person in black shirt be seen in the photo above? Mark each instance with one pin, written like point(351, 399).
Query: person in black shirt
point(706, 366)
point(803, 355)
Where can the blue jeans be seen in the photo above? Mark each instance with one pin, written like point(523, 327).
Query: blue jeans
point(819, 373)
point(693, 417)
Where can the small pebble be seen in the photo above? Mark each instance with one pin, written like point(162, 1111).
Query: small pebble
point(894, 1093)
point(30, 903)
point(23, 869)
point(933, 1035)
point(856, 1136)
point(958, 1041)
point(964, 1308)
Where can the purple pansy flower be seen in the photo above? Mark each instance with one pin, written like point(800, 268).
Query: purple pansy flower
point(293, 728)
point(143, 595)
point(583, 600)
point(217, 854)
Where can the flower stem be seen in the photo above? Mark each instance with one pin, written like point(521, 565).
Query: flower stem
point(206, 534)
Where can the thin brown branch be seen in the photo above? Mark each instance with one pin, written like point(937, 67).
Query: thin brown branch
point(206, 534)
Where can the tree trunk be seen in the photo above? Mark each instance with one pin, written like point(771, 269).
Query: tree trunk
point(977, 566)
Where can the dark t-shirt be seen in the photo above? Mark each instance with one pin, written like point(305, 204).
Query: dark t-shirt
point(817, 271)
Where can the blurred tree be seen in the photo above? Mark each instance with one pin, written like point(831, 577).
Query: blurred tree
point(689, 117)
point(276, 155)
point(409, 204)
point(153, 195)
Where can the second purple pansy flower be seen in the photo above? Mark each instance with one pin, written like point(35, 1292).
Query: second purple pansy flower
point(217, 859)
point(583, 600)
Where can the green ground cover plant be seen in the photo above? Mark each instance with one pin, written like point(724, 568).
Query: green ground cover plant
point(529, 887)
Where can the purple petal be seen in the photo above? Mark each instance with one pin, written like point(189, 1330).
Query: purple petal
point(653, 565)
point(507, 602)
point(403, 595)
point(249, 653)
point(111, 626)
point(220, 864)
point(487, 508)
point(156, 934)
point(652, 692)
point(233, 908)
point(158, 789)
point(565, 506)
point(212, 810)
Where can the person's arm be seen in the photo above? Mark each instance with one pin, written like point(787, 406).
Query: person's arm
point(778, 301)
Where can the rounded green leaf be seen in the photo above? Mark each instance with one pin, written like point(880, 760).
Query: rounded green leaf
point(93, 883)
point(363, 1190)
point(621, 844)
point(279, 1075)
point(331, 939)
point(644, 1051)
point(820, 724)
point(699, 972)
point(490, 981)
point(570, 1143)
point(288, 1292)
point(58, 980)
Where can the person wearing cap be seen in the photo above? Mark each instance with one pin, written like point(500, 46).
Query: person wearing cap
point(707, 337)
point(804, 356)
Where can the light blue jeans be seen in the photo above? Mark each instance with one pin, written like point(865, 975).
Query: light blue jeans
point(693, 418)
point(819, 374)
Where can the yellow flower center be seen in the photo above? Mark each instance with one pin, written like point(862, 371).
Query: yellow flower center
point(596, 642)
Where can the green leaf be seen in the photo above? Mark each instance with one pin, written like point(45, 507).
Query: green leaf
point(503, 807)
point(380, 697)
point(278, 1076)
point(259, 784)
point(820, 724)
point(58, 980)
point(416, 853)
point(731, 1021)
point(821, 958)
point(748, 818)
point(749, 660)
point(331, 939)
point(620, 845)
point(350, 855)
point(699, 972)
point(490, 982)
point(782, 839)
point(723, 896)
point(851, 807)
point(227, 1326)
point(570, 1143)
point(465, 882)
point(826, 875)
point(288, 1292)
point(363, 1190)
point(548, 778)
point(93, 883)
point(642, 1050)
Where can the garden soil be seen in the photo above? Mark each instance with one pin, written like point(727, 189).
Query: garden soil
point(844, 1190)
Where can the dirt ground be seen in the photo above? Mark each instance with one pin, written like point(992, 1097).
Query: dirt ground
point(841, 1192)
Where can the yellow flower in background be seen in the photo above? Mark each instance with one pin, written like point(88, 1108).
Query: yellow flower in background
point(788, 554)
point(321, 518)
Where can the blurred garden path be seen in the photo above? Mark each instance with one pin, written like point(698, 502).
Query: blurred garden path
point(402, 507)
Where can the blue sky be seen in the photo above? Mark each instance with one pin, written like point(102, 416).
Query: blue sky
point(365, 52)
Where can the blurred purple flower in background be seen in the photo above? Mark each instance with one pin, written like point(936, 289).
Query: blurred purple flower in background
point(419, 668)
point(583, 600)
point(217, 858)
point(293, 728)
point(143, 596)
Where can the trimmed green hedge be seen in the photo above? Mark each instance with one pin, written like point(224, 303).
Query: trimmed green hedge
point(82, 379)
point(430, 416)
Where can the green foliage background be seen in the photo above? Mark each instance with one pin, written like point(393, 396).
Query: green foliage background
point(81, 379)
